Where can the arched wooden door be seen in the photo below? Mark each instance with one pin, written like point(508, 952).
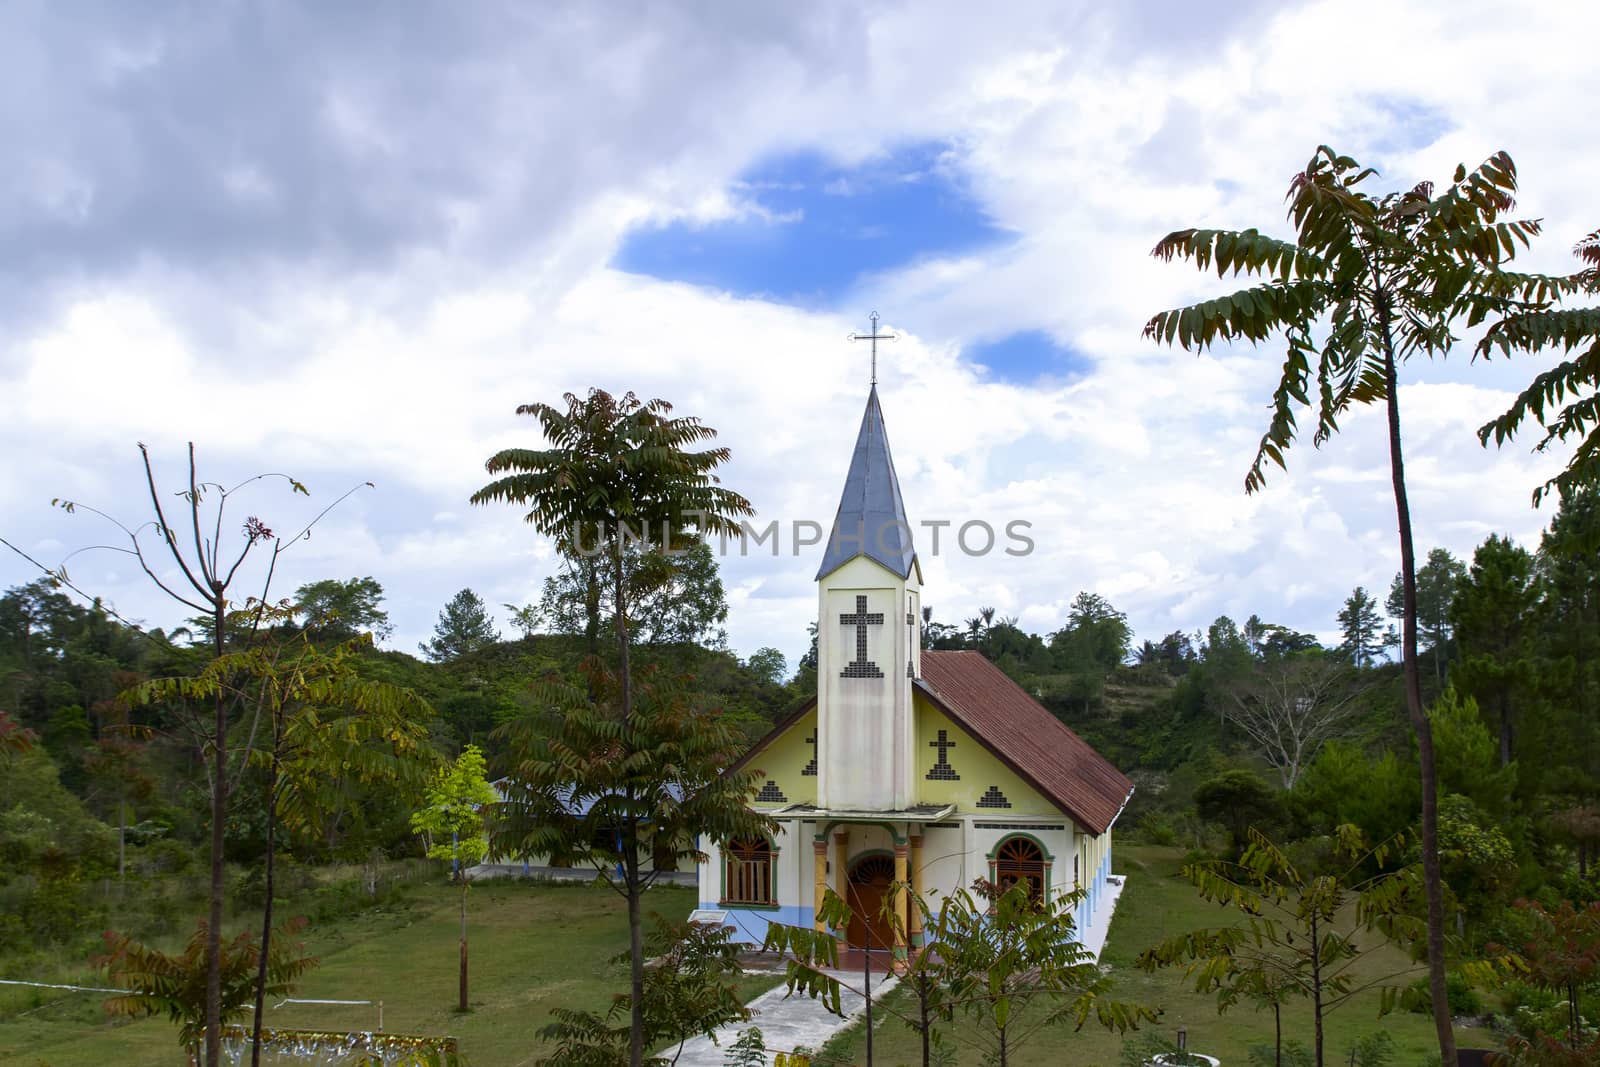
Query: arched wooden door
point(870, 878)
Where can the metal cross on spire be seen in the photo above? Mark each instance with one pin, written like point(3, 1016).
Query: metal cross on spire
point(874, 337)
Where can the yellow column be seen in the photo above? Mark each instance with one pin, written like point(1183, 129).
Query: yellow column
point(915, 921)
point(900, 903)
point(820, 872)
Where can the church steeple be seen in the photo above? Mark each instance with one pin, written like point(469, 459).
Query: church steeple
point(868, 647)
point(871, 520)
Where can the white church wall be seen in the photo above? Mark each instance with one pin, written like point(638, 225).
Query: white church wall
point(946, 866)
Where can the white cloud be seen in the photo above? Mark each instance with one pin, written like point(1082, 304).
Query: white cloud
point(458, 268)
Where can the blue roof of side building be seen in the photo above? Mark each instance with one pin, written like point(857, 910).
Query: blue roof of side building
point(871, 520)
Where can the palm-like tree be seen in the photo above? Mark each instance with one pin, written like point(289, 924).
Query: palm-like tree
point(618, 469)
point(1369, 282)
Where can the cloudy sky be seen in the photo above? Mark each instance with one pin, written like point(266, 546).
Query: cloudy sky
point(345, 241)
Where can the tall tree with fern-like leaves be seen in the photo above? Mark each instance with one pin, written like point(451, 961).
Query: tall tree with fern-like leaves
point(1565, 400)
point(1368, 282)
point(615, 470)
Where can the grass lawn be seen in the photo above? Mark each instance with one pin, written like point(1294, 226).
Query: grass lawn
point(1155, 905)
point(533, 948)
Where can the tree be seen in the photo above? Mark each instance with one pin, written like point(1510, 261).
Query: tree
point(13, 738)
point(1437, 581)
point(1290, 706)
point(331, 609)
point(1560, 952)
point(580, 791)
point(464, 626)
point(1302, 934)
point(1537, 322)
point(178, 985)
point(1240, 801)
point(618, 469)
point(1568, 567)
point(1360, 624)
point(1096, 636)
point(768, 664)
point(1496, 616)
point(326, 727)
point(203, 580)
point(677, 598)
point(690, 988)
point(451, 821)
point(1370, 282)
point(992, 952)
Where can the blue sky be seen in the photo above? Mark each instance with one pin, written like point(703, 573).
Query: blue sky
point(810, 229)
point(347, 244)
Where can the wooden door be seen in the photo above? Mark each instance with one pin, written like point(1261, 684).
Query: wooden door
point(870, 879)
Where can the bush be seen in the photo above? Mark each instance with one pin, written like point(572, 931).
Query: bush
point(1294, 1055)
point(1458, 991)
point(1157, 829)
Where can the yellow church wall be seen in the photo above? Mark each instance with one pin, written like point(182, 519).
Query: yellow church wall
point(784, 759)
point(978, 769)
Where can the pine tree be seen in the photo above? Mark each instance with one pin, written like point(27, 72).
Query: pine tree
point(1362, 628)
point(1496, 614)
point(464, 626)
point(1437, 580)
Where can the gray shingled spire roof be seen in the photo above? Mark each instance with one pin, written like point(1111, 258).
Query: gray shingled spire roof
point(872, 518)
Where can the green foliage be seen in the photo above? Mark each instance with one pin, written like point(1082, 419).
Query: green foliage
point(1536, 323)
point(675, 598)
point(331, 609)
point(689, 989)
point(1240, 801)
point(1293, 1054)
point(615, 462)
point(580, 775)
point(749, 1050)
point(1362, 627)
point(1300, 933)
point(768, 664)
point(1468, 762)
point(464, 626)
point(452, 817)
point(1437, 581)
point(174, 985)
point(990, 955)
point(1496, 616)
point(1096, 636)
point(1558, 951)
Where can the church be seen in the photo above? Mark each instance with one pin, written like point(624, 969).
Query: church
point(922, 767)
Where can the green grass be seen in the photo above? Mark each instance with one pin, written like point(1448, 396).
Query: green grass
point(1155, 905)
point(533, 948)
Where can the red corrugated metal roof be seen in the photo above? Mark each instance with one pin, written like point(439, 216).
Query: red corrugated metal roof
point(1025, 736)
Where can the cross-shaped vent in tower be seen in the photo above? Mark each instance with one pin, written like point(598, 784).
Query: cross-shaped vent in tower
point(861, 666)
point(942, 771)
point(810, 769)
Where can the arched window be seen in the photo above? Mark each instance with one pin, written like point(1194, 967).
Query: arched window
point(747, 871)
point(1019, 859)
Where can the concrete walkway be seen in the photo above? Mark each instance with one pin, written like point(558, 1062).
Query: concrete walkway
point(786, 1022)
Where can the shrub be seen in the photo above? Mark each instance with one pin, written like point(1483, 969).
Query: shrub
point(1459, 993)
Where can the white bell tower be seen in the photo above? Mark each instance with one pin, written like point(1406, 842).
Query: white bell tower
point(869, 609)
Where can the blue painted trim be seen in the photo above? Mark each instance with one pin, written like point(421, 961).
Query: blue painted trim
point(750, 925)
